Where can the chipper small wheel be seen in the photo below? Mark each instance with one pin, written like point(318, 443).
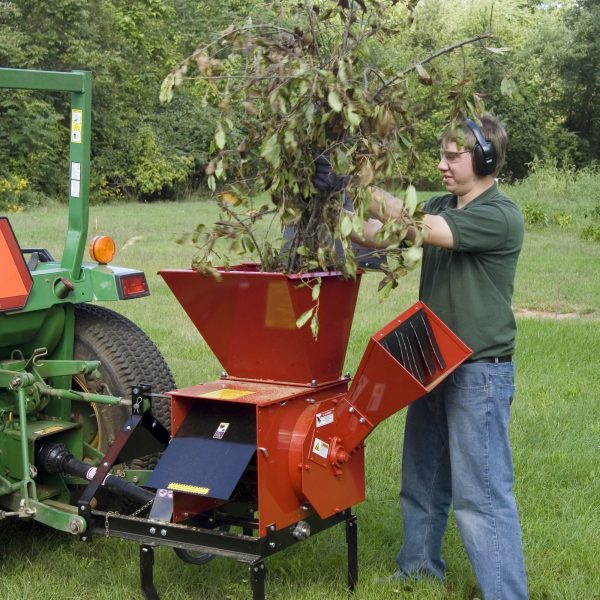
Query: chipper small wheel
point(127, 356)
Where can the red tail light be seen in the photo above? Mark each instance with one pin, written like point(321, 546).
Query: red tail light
point(133, 285)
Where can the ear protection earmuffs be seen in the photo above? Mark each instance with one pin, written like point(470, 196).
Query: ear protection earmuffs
point(484, 153)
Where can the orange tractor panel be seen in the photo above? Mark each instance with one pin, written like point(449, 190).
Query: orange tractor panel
point(15, 279)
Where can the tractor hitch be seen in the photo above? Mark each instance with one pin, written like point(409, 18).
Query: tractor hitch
point(142, 434)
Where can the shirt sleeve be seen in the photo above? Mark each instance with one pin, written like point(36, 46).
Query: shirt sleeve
point(479, 228)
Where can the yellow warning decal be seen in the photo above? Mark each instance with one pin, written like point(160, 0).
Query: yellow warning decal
point(320, 448)
point(227, 394)
point(189, 489)
point(47, 430)
point(76, 125)
point(279, 312)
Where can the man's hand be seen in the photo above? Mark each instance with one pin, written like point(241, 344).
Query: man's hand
point(325, 179)
point(387, 207)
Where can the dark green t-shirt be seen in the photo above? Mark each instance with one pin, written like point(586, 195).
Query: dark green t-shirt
point(470, 287)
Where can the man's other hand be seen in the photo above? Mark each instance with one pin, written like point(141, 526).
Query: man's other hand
point(325, 179)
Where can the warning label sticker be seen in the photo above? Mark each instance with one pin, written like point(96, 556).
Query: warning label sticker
point(320, 448)
point(226, 394)
point(76, 125)
point(220, 432)
point(75, 188)
point(324, 418)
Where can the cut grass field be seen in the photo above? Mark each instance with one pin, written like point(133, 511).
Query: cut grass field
point(555, 433)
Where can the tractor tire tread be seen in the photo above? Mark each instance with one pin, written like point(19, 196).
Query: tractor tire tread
point(127, 351)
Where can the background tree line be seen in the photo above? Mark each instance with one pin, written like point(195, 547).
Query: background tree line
point(542, 76)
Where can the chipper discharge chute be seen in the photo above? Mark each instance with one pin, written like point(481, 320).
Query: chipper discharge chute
point(273, 451)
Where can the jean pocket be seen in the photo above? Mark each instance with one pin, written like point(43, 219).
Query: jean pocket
point(473, 377)
point(503, 375)
point(504, 387)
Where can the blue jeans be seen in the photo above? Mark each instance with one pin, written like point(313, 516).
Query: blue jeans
point(457, 450)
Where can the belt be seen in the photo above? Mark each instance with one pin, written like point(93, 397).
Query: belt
point(491, 359)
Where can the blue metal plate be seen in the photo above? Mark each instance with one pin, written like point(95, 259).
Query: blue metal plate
point(210, 453)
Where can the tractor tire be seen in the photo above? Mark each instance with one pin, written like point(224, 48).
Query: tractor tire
point(128, 357)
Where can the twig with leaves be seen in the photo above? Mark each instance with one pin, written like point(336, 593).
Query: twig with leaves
point(302, 86)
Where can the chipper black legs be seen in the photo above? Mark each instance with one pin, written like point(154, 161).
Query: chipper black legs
point(249, 550)
point(257, 579)
point(147, 572)
point(352, 544)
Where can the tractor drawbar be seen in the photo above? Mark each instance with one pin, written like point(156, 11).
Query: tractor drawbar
point(56, 458)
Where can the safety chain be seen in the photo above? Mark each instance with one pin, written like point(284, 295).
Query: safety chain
point(106, 525)
point(111, 513)
point(142, 508)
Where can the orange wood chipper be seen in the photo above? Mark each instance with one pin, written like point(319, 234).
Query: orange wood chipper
point(273, 451)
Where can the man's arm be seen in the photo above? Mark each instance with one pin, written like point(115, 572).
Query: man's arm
point(387, 207)
point(367, 239)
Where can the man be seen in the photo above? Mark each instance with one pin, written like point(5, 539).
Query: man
point(456, 443)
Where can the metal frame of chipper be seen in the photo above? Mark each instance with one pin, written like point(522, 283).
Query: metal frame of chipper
point(273, 451)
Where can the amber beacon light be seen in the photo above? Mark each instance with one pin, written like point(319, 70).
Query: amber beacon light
point(102, 249)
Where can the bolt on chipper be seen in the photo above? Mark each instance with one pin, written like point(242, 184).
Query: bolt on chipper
point(96, 439)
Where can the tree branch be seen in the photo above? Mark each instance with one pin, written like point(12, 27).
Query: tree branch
point(248, 231)
point(349, 18)
point(313, 29)
point(366, 77)
point(436, 54)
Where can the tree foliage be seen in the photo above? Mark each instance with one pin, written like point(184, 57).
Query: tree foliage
point(579, 69)
point(127, 46)
point(313, 85)
point(540, 75)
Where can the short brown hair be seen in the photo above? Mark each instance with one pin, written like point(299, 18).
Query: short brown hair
point(492, 129)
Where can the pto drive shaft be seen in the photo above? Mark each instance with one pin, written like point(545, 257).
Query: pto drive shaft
point(57, 459)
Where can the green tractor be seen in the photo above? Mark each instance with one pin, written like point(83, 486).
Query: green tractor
point(67, 366)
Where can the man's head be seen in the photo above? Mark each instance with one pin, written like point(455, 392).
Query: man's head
point(484, 142)
point(462, 154)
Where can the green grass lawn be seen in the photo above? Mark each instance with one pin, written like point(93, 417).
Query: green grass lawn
point(555, 432)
